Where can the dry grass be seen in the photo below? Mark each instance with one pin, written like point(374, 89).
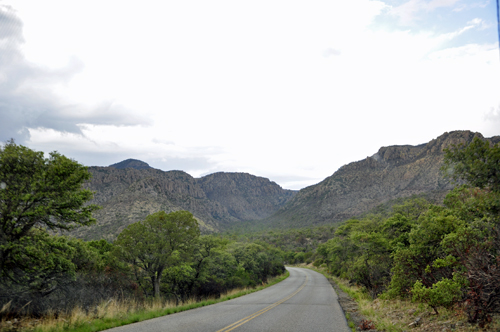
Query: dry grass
point(116, 313)
point(109, 310)
point(399, 315)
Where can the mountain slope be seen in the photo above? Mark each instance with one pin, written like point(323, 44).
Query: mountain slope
point(393, 172)
point(246, 197)
point(128, 195)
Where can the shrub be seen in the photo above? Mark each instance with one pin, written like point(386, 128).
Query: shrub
point(444, 293)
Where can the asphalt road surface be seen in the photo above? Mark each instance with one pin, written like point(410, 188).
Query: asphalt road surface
point(305, 301)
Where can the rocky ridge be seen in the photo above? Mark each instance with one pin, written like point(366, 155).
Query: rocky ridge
point(131, 163)
point(128, 194)
point(393, 172)
point(131, 191)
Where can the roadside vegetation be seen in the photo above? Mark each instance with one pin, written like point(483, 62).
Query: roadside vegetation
point(113, 313)
point(396, 315)
point(160, 262)
point(444, 258)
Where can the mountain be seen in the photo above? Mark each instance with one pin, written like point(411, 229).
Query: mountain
point(245, 197)
point(392, 173)
point(131, 163)
point(128, 192)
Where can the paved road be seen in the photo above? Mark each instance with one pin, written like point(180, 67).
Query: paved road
point(305, 301)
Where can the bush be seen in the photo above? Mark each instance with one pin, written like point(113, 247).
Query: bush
point(444, 293)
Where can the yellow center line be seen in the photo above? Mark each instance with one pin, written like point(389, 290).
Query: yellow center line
point(260, 312)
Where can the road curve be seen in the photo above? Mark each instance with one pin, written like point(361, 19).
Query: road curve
point(305, 301)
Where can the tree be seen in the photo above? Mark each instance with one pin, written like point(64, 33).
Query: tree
point(206, 247)
point(38, 192)
point(412, 262)
point(159, 241)
point(476, 244)
point(477, 163)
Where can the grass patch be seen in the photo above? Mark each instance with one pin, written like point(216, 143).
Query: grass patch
point(118, 313)
point(351, 324)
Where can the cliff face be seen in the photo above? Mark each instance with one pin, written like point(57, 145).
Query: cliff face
point(393, 172)
point(246, 197)
point(127, 195)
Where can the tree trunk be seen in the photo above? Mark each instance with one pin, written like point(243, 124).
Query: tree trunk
point(156, 285)
point(156, 279)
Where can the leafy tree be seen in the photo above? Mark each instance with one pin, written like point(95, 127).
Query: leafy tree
point(472, 203)
point(372, 265)
point(411, 209)
point(187, 278)
point(476, 250)
point(360, 251)
point(478, 163)
point(53, 272)
point(206, 248)
point(36, 194)
point(258, 261)
point(37, 261)
point(412, 263)
point(211, 271)
point(220, 274)
point(159, 241)
point(39, 191)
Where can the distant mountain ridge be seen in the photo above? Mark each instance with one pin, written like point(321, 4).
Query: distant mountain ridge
point(131, 163)
point(131, 191)
point(246, 197)
point(391, 173)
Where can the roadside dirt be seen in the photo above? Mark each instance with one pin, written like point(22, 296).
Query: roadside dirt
point(350, 307)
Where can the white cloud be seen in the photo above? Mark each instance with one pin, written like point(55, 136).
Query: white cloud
point(412, 10)
point(452, 35)
point(480, 24)
point(286, 90)
point(434, 4)
point(471, 5)
point(30, 93)
point(493, 115)
point(331, 52)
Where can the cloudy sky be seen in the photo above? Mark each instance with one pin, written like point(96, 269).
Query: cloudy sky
point(289, 90)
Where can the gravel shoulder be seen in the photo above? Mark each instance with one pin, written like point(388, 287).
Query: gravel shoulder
point(349, 306)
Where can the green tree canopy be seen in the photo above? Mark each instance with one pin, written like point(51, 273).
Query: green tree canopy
point(39, 191)
point(478, 164)
point(159, 241)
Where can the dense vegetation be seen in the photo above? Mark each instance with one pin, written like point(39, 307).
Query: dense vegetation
point(298, 245)
point(163, 256)
point(441, 255)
